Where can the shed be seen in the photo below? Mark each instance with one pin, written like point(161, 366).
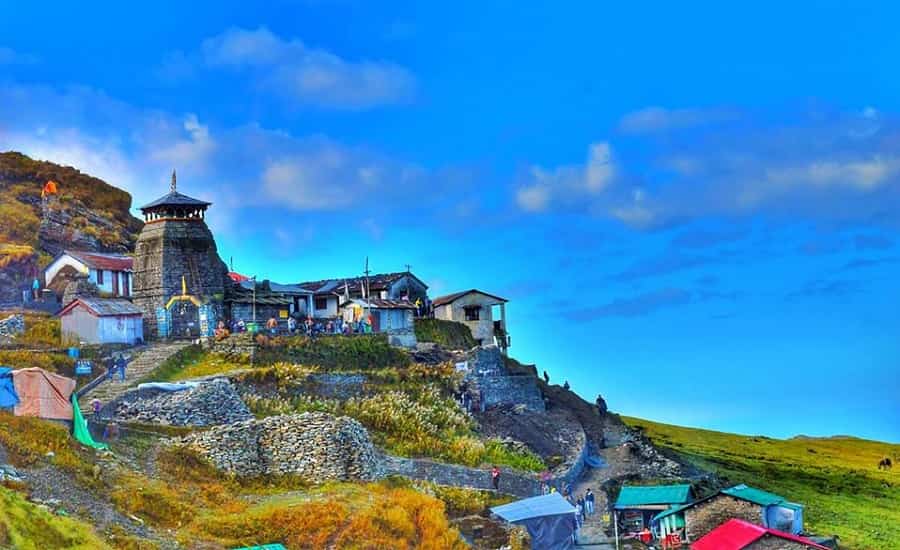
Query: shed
point(742, 502)
point(393, 317)
point(638, 504)
point(43, 394)
point(94, 320)
point(737, 534)
point(549, 519)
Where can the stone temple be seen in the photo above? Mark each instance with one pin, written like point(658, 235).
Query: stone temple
point(177, 270)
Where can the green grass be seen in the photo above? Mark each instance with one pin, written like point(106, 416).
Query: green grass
point(835, 478)
point(24, 526)
point(449, 334)
point(175, 364)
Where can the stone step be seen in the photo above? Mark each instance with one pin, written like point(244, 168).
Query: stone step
point(143, 363)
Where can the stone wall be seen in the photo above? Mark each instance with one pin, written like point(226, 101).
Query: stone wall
point(208, 404)
point(488, 373)
point(165, 251)
point(768, 542)
point(236, 344)
point(702, 518)
point(315, 446)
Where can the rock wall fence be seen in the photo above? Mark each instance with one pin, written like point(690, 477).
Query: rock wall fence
point(487, 372)
point(315, 446)
point(511, 482)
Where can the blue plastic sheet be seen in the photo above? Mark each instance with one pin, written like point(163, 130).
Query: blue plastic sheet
point(8, 396)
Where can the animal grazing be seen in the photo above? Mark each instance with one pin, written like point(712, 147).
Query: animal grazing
point(885, 464)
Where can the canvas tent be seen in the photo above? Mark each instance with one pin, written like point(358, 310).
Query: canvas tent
point(43, 394)
point(549, 519)
point(8, 396)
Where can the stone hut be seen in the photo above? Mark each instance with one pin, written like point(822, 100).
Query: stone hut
point(177, 269)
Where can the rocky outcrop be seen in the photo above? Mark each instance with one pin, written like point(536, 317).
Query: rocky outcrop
point(314, 446)
point(208, 404)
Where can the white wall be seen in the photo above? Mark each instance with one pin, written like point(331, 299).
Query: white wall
point(331, 309)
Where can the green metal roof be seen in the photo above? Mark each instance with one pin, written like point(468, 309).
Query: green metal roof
point(672, 510)
point(643, 495)
point(751, 494)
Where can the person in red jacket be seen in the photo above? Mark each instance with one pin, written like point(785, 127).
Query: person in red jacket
point(495, 478)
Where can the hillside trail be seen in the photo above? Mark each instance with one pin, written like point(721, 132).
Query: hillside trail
point(146, 360)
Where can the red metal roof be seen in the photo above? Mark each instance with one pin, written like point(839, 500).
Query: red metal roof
point(98, 260)
point(736, 534)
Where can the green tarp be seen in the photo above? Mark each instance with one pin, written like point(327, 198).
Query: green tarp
point(80, 428)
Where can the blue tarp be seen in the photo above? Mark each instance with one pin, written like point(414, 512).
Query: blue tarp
point(167, 386)
point(549, 519)
point(8, 396)
point(595, 462)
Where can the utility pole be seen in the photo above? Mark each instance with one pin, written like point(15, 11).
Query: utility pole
point(367, 288)
point(254, 299)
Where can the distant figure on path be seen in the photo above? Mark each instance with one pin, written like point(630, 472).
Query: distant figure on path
point(36, 289)
point(566, 385)
point(495, 478)
point(546, 377)
point(589, 501)
point(601, 405)
point(95, 407)
point(121, 363)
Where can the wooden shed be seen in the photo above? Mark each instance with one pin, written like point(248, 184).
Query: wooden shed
point(93, 320)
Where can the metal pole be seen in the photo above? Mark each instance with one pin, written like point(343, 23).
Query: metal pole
point(254, 299)
point(616, 529)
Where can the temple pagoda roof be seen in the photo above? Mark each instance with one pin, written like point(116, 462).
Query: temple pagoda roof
point(174, 198)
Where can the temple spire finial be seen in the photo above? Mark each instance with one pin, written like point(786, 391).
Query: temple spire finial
point(173, 185)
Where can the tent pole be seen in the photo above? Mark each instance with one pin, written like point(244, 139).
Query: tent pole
point(616, 529)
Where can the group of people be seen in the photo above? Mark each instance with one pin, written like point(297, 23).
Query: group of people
point(116, 364)
point(309, 327)
point(584, 506)
point(470, 401)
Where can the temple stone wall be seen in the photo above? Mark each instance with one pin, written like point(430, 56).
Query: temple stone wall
point(165, 251)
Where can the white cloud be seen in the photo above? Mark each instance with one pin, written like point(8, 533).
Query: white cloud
point(308, 75)
point(659, 119)
point(544, 187)
point(192, 151)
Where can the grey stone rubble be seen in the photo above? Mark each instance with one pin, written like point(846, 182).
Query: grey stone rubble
point(315, 446)
point(208, 404)
point(12, 325)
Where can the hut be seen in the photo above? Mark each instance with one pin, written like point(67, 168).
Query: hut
point(549, 519)
point(94, 320)
point(111, 273)
point(638, 504)
point(475, 309)
point(737, 534)
point(392, 317)
point(742, 502)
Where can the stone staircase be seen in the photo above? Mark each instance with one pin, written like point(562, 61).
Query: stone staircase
point(142, 363)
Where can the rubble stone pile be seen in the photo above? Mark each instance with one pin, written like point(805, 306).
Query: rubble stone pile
point(12, 326)
point(315, 446)
point(208, 404)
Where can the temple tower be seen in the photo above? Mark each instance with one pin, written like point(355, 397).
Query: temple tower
point(177, 269)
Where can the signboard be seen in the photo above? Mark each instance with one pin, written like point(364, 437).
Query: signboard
point(207, 320)
point(83, 367)
point(163, 322)
point(283, 313)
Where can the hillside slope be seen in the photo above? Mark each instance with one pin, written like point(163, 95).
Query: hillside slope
point(89, 215)
point(836, 478)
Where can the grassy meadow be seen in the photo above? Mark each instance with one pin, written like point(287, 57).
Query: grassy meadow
point(837, 478)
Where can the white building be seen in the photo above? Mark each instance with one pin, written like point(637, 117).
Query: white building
point(91, 320)
point(110, 272)
point(475, 309)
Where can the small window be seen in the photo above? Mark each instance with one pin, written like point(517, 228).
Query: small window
point(99, 276)
point(473, 313)
point(321, 303)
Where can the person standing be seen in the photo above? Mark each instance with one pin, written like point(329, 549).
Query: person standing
point(292, 325)
point(589, 501)
point(272, 325)
point(495, 478)
point(96, 406)
point(121, 363)
point(579, 513)
point(36, 289)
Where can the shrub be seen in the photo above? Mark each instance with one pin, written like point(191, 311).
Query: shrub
point(52, 362)
point(449, 334)
point(359, 352)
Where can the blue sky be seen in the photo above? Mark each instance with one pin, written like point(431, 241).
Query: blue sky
point(693, 211)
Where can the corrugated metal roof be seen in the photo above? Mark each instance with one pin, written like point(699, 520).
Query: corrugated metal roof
point(737, 534)
point(545, 505)
point(643, 495)
point(99, 260)
point(751, 494)
point(378, 303)
point(103, 307)
point(442, 300)
point(379, 281)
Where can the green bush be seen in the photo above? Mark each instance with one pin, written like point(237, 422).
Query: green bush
point(449, 334)
point(360, 352)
